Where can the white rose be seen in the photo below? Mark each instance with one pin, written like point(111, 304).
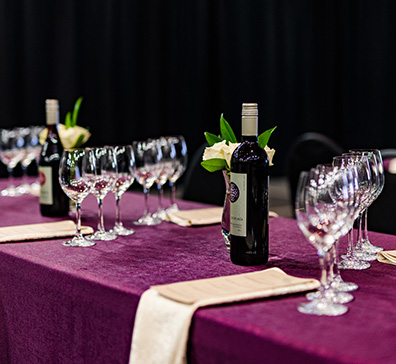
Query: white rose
point(220, 150)
point(270, 153)
point(69, 137)
point(228, 150)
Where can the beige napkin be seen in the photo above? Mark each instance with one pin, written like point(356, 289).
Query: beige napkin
point(47, 230)
point(388, 256)
point(206, 216)
point(164, 313)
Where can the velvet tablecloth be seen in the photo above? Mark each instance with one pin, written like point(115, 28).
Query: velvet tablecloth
point(77, 305)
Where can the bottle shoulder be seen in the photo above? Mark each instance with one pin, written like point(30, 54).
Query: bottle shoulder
point(249, 152)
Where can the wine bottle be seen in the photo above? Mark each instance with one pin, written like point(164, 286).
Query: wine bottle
point(249, 182)
point(53, 201)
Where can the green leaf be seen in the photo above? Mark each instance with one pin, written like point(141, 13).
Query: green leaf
point(212, 139)
point(215, 164)
point(68, 121)
point(79, 141)
point(264, 137)
point(226, 131)
point(76, 110)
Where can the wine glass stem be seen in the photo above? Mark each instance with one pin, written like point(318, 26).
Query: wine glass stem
point(100, 215)
point(350, 244)
point(11, 178)
point(78, 220)
point(364, 226)
point(323, 274)
point(173, 193)
point(118, 213)
point(336, 271)
point(359, 231)
point(160, 197)
point(146, 208)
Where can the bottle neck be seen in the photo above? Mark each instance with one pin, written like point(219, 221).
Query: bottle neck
point(249, 138)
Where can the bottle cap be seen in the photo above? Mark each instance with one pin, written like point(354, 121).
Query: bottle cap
point(249, 119)
point(249, 109)
point(52, 111)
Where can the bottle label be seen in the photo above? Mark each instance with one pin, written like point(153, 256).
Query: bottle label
point(238, 204)
point(45, 177)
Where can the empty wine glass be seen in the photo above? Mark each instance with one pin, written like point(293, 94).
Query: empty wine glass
point(362, 193)
point(73, 179)
point(148, 168)
point(337, 287)
point(125, 176)
point(30, 151)
point(320, 218)
point(11, 144)
point(180, 165)
point(367, 198)
point(104, 163)
point(168, 169)
point(375, 158)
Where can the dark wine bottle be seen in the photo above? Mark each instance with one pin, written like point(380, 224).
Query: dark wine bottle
point(53, 201)
point(249, 195)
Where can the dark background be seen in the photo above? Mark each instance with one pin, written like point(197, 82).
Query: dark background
point(147, 68)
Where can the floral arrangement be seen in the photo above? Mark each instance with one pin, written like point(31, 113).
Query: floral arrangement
point(217, 156)
point(70, 134)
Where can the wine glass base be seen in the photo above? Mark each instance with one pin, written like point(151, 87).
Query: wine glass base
point(148, 220)
point(370, 248)
point(102, 236)
point(353, 263)
point(332, 295)
point(344, 286)
point(78, 241)
point(363, 255)
point(322, 308)
point(121, 230)
point(161, 214)
point(172, 208)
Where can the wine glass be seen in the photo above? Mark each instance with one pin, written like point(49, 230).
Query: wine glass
point(180, 165)
point(125, 176)
point(11, 144)
point(148, 168)
point(104, 164)
point(375, 157)
point(367, 199)
point(337, 287)
point(31, 150)
point(320, 218)
point(73, 168)
point(362, 194)
point(168, 168)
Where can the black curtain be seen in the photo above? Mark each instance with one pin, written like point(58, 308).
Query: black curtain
point(147, 68)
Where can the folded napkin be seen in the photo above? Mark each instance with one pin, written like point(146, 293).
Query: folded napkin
point(47, 230)
point(164, 313)
point(206, 216)
point(388, 256)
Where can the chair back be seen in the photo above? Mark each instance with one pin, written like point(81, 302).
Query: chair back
point(307, 151)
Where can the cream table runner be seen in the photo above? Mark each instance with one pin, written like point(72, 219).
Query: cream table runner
point(387, 256)
point(164, 313)
point(195, 217)
point(48, 230)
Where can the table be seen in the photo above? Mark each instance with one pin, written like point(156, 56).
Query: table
point(77, 305)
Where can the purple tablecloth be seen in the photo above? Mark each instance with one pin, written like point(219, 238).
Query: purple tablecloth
point(77, 305)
